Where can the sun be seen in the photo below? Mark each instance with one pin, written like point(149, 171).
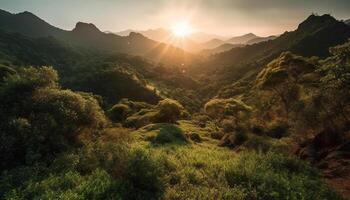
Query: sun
point(182, 29)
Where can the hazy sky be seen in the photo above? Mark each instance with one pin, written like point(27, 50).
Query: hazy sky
point(226, 17)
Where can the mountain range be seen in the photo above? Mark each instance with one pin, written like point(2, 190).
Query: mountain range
point(162, 34)
point(199, 41)
point(313, 37)
point(305, 40)
point(87, 35)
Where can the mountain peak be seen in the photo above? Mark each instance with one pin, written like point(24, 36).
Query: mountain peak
point(136, 35)
point(251, 35)
point(316, 21)
point(86, 27)
point(26, 13)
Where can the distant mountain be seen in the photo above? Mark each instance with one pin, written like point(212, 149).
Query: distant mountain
point(201, 37)
point(217, 46)
point(89, 36)
point(220, 48)
point(313, 37)
point(213, 43)
point(261, 39)
point(194, 42)
point(243, 39)
point(159, 34)
point(123, 33)
point(166, 36)
point(347, 21)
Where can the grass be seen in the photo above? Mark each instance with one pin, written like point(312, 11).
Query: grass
point(206, 171)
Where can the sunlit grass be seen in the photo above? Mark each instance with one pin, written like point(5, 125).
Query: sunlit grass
point(205, 171)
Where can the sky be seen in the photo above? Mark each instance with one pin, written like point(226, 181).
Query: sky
point(224, 17)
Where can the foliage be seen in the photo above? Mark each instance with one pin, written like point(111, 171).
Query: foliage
point(275, 176)
point(169, 111)
point(5, 71)
point(119, 112)
point(114, 84)
point(39, 120)
point(164, 133)
point(143, 177)
point(220, 107)
point(166, 111)
point(277, 129)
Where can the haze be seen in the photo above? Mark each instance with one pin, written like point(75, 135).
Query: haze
point(225, 17)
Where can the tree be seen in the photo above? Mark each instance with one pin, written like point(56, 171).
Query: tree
point(38, 120)
point(335, 83)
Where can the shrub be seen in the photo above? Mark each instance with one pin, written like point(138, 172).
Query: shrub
point(143, 178)
point(233, 139)
point(194, 137)
point(69, 185)
point(38, 120)
point(119, 112)
point(142, 118)
point(228, 125)
point(259, 144)
point(5, 71)
point(217, 135)
point(167, 133)
point(200, 119)
point(169, 111)
point(217, 108)
point(278, 130)
point(240, 137)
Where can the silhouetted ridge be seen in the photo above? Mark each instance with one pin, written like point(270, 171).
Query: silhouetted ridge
point(82, 27)
point(314, 21)
point(347, 21)
point(136, 35)
point(251, 35)
point(4, 13)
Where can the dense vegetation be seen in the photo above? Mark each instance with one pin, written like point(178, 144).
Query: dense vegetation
point(105, 125)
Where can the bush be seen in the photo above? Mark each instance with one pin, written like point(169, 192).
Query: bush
point(217, 135)
point(234, 139)
point(218, 108)
point(101, 170)
point(143, 178)
point(119, 112)
point(259, 144)
point(166, 111)
point(240, 137)
point(5, 71)
point(169, 111)
point(38, 120)
point(276, 176)
point(142, 118)
point(278, 130)
point(167, 133)
point(69, 185)
point(228, 125)
point(194, 137)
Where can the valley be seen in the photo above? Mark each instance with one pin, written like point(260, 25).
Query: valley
point(90, 114)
